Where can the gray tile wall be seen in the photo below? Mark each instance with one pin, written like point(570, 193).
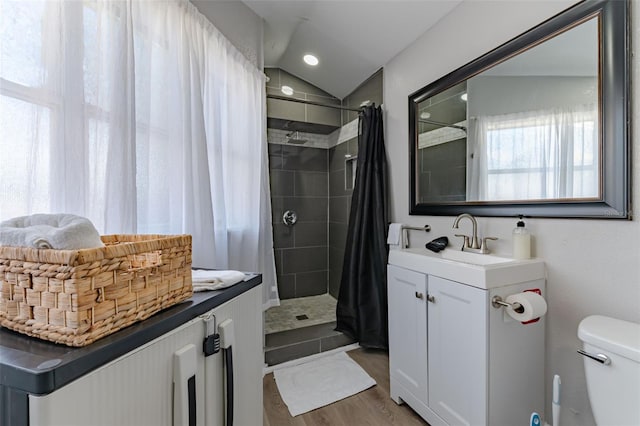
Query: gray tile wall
point(370, 89)
point(299, 182)
point(301, 90)
point(339, 207)
point(443, 172)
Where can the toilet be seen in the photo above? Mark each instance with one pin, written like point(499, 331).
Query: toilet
point(611, 352)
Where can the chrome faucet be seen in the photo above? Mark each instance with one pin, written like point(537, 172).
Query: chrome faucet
point(471, 243)
point(474, 238)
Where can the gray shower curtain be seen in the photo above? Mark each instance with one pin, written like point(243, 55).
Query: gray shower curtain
point(361, 312)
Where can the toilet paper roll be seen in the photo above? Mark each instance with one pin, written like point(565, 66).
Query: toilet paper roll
point(534, 306)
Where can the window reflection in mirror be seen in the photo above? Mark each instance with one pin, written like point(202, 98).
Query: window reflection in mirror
point(524, 129)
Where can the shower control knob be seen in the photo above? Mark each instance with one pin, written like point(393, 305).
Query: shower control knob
point(289, 218)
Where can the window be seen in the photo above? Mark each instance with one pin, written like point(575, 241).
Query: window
point(28, 109)
point(538, 156)
point(140, 116)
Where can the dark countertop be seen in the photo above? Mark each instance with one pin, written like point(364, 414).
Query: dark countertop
point(39, 367)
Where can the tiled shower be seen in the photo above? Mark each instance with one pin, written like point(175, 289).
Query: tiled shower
point(312, 174)
point(299, 183)
point(311, 182)
point(317, 185)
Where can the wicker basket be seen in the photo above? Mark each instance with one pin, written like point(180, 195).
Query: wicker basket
point(78, 296)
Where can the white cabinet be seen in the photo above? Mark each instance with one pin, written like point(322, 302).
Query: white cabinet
point(138, 388)
point(455, 359)
point(408, 330)
point(457, 330)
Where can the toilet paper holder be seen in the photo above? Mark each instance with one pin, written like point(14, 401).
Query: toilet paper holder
point(497, 303)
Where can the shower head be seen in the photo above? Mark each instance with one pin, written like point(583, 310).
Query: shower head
point(294, 138)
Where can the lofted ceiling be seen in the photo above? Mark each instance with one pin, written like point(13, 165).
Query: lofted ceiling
point(351, 38)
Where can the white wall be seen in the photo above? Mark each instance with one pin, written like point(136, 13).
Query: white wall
point(593, 266)
point(239, 24)
point(495, 95)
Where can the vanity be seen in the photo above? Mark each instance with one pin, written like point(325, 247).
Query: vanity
point(454, 357)
point(155, 372)
point(478, 143)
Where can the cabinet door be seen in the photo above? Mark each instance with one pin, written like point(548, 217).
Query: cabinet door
point(408, 329)
point(133, 390)
point(457, 352)
point(137, 388)
point(248, 357)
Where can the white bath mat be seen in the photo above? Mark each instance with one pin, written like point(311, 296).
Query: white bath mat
point(320, 382)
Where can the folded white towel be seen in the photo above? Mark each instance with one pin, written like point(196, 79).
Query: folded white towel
point(50, 231)
point(395, 233)
point(204, 280)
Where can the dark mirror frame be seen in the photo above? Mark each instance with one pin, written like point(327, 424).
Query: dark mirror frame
point(615, 202)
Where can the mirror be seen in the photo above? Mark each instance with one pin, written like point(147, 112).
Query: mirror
point(537, 126)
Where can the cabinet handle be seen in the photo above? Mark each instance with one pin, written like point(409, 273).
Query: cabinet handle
point(419, 295)
point(431, 298)
point(184, 386)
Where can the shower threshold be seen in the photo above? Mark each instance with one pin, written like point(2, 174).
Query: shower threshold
point(301, 327)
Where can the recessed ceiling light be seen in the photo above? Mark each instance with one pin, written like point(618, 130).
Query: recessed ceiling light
point(464, 97)
point(310, 59)
point(425, 115)
point(286, 90)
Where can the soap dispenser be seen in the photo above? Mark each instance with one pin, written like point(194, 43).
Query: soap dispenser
point(521, 241)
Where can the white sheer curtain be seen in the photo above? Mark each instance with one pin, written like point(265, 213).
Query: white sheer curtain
point(141, 116)
point(534, 155)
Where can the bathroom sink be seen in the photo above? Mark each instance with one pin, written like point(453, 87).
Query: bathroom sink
point(474, 258)
point(484, 271)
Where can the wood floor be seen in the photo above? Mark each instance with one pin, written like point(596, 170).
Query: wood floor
point(371, 407)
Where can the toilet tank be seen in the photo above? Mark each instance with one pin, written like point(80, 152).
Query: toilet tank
point(614, 388)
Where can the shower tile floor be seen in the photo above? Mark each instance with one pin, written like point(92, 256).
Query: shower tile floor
point(292, 312)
